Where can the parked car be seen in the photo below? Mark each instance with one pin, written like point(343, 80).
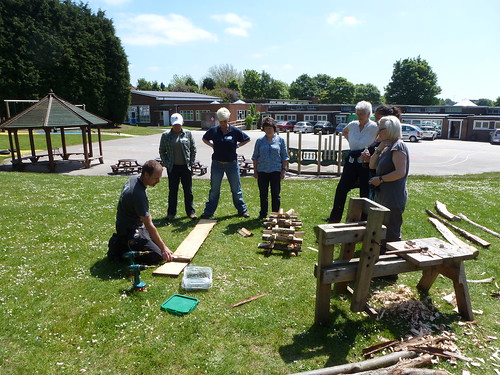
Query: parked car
point(303, 127)
point(340, 127)
point(286, 126)
point(323, 127)
point(411, 133)
point(495, 137)
point(428, 132)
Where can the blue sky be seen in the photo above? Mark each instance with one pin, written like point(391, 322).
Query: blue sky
point(359, 40)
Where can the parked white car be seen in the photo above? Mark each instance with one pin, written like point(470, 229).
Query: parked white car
point(411, 133)
point(303, 127)
point(428, 132)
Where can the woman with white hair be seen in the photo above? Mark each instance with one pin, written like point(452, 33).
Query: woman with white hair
point(225, 139)
point(361, 134)
point(391, 161)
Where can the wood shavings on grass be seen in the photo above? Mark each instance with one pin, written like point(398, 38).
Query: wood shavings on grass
point(402, 305)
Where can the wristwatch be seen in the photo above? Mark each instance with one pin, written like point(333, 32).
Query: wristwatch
point(381, 179)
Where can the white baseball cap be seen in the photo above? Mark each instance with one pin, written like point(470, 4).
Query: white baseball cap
point(176, 118)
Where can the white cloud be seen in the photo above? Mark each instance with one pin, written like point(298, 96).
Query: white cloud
point(154, 30)
point(337, 19)
point(287, 66)
point(239, 25)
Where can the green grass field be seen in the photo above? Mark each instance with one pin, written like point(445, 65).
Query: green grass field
point(67, 310)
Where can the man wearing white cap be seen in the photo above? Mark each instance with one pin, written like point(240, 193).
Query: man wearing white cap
point(225, 139)
point(178, 153)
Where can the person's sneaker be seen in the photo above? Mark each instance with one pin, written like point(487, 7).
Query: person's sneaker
point(170, 217)
point(193, 216)
point(205, 216)
point(245, 214)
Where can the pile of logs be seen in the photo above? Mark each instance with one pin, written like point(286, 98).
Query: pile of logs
point(281, 234)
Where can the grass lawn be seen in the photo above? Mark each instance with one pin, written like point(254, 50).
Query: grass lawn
point(67, 310)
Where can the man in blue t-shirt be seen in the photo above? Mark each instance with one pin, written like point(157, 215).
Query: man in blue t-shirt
point(134, 226)
point(225, 139)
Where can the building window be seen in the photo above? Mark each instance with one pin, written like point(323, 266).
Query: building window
point(139, 114)
point(322, 117)
point(453, 109)
point(279, 117)
point(341, 119)
point(308, 117)
point(241, 114)
point(198, 114)
point(481, 125)
point(188, 115)
point(291, 117)
point(497, 124)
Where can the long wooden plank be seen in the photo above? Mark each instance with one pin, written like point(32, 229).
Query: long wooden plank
point(187, 249)
point(448, 235)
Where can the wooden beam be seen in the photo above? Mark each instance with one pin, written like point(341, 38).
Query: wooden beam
point(448, 235)
point(187, 249)
point(469, 236)
point(443, 211)
point(462, 216)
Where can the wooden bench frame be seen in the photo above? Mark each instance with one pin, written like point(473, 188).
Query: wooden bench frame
point(245, 165)
point(127, 166)
point(347, 268)
point(198, 167)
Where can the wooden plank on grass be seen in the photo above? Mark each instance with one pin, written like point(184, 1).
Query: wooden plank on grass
point(187, 249)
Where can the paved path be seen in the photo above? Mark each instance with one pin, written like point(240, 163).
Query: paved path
point(436, 158)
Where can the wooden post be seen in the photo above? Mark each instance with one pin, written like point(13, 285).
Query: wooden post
point(299, 155)
point(456, 272)
point(52, 164)
point(32, 143)
point(369, 256)
point(86, 161)
point(99, 138)
point(65, 155)
point(318, 158)
point(325, 258)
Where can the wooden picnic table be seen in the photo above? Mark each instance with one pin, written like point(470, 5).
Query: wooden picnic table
point(127, 166)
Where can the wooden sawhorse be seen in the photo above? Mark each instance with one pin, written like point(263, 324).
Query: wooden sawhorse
point(439, 257)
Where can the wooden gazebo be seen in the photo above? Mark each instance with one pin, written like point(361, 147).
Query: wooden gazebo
point(54, 114)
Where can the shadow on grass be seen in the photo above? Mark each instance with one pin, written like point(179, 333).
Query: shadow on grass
point(250, 224)
point(334, 341)
point(337, 339)
point(105, 269)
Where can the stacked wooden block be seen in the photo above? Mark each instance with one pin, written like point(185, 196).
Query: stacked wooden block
point(281, 234)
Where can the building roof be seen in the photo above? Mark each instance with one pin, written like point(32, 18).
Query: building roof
point(178, 96)
point(53, 112)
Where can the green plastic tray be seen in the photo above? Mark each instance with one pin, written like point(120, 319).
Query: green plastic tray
point(179, 305)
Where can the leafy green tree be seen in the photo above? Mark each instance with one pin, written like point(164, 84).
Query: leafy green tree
point(448, 101)
point(412, 82)
point(340, 91)
point(252, 85)
point(208, 83)
point(366, 92)
point(321, 82)
point(497, 102)
point(190, 82)
point(48, 44)
point(278, 90)
point(155, 86)
point(143, 84)
point(234, 85)
point(303, 87)
point(227, 95)
point(484, 102)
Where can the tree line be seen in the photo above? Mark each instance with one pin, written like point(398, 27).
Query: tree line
point(58, 45)
point(412, 82)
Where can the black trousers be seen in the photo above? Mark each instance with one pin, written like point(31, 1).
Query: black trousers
point(134, 240)
point(265, 180)
point(353, 175)
point(180, 174)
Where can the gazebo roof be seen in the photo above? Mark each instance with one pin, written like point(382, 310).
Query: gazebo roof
point(53, 112)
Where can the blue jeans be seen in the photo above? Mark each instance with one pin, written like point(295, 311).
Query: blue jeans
point(217, 171)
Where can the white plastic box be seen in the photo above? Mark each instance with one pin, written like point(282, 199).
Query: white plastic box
point(197, 278)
